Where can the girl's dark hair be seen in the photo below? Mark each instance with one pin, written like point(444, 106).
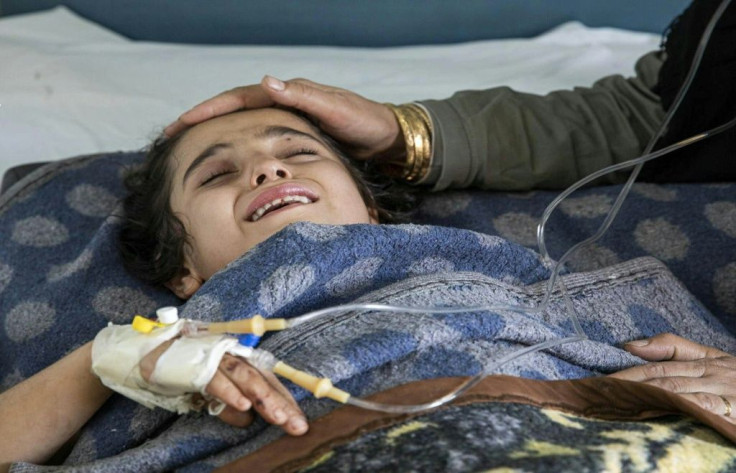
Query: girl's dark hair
point(152, 240)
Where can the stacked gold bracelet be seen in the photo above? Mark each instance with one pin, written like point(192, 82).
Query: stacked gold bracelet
point(417, 130)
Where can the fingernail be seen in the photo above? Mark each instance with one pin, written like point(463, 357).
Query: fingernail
point(638, 343)
point(274, 83)
point(279, 416)
point(298, 425)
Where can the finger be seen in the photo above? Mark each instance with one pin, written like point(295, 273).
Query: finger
point(719, 371)
point(223, 388)
point(687, 384)
point(717, 404)
point(251, 96)
point(237, 418)
point(671, 347)
point(300, 94)
point(316, 85)
point(651, 371)
point(275, 407)
point(366, 127)
point(174, 128)
point(270, 83)
point(297, 424)
point(276, 383)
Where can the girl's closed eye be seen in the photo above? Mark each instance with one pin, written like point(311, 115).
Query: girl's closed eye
point(214, 174)
point(301, 154)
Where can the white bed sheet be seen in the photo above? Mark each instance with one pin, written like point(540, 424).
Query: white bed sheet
point(69, 86)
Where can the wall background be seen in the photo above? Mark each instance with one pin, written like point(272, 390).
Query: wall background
point(354, 22)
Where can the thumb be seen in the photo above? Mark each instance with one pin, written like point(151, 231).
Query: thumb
point(246, 97)
point(311, 98)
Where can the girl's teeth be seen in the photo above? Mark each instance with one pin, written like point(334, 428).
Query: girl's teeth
point(288, 199)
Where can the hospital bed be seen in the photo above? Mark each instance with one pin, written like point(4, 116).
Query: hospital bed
point(86, 85)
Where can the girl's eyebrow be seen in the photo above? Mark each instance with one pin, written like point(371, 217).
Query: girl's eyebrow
point(207, 153)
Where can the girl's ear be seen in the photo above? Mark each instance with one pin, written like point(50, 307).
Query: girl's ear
point(185, 284)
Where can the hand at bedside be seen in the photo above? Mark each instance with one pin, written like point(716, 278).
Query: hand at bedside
point(243, 388)
point(699, 373)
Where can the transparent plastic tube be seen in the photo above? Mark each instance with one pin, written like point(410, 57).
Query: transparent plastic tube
point(648, 155)
point(463, 387)
point(639, 162)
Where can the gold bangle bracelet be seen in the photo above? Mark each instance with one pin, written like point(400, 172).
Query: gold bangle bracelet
point(417, 131)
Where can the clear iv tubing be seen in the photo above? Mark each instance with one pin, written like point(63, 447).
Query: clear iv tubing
point(639, 162)
point(580, 335)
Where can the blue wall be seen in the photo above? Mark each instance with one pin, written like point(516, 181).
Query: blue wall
point(354, 22)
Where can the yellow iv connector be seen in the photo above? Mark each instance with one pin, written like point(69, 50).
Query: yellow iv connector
point(320, 387)
point(256, 325)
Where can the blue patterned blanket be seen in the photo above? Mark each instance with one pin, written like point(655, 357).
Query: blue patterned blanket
point(61, 281)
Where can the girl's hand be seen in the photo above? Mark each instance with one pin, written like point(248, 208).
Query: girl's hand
point(369, 129)
point(701, 374)
point(243, 388)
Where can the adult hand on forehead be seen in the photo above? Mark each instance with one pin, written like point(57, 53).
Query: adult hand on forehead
point(367, 128)
point(243, 388)
point(699, 373)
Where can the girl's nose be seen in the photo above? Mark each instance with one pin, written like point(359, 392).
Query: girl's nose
point(269, 169)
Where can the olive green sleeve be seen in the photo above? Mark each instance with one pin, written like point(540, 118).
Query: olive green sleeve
point(508, 140)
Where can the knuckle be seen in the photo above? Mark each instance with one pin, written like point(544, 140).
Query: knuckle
point(669, 384)
point(654, 370)
point(230, 364)
point(701, 367)
point(307, 92)
point(706, 401)
point(260, 393)
point(727, 362)
point(261, 397)
point(665, 337)
point(237, 367)
point(228, 393)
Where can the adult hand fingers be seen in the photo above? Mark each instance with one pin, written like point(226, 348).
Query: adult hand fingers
point(312, 98)
point(367, 127)
point(715, 403)
point(671, 347)
point(709, 382)
point(250, 96)
point(708, 374)
point(273, 405)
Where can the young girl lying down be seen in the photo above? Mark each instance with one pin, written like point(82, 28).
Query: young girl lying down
point(218, 190)
point(202, 199)
point(226, 185)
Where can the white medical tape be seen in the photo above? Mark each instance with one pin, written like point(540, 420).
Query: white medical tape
point(189, 364)
point(185, 368)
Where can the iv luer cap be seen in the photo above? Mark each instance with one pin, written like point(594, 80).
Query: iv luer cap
point(167, 315)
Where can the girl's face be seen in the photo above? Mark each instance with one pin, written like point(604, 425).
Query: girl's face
point(240, 178)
